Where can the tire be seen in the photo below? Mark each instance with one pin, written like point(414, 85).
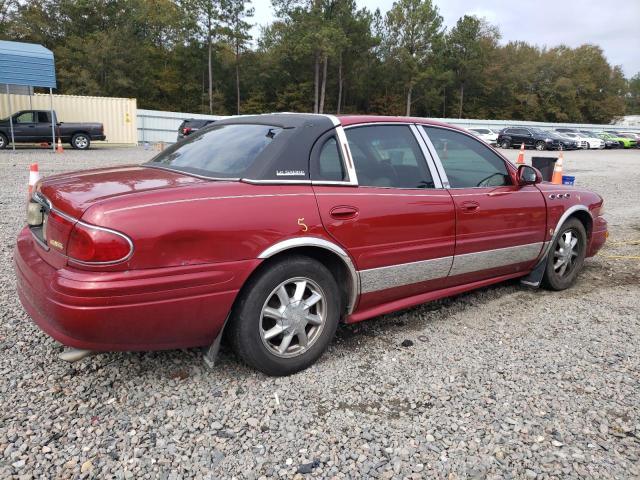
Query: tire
point(4, 142)
point(540, 145)
point(560, 275)
point(505, 144)
point(80, 141)
point(261, 324)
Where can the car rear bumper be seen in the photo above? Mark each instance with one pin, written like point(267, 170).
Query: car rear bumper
point(154, 309)
point(598, 236)
point(98, 137)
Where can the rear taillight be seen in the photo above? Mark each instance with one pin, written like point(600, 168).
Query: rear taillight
point(187, 130)
point(56, 231)
point(89, 244)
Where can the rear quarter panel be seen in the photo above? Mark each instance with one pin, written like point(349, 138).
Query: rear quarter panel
point(209, 223)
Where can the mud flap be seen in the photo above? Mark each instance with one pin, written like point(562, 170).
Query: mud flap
point(210, 353)
point(535, 277)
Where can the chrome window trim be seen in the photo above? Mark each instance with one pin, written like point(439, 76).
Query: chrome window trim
point(431, 166)
point(434, 155)
point(321, 243)
point(275, 182)
point(347, 158)
point(412, 127)
point(473, 137)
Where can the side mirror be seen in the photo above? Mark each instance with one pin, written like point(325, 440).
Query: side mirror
point(528, 175)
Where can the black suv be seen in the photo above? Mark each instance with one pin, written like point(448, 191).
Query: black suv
point(187, 127)
point(537, 138)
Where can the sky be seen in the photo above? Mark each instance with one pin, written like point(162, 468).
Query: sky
point(613, 26)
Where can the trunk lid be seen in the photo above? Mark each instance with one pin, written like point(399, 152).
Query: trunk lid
point(72, 193)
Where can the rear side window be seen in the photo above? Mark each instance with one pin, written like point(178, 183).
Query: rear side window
point(43, 117)
point(327, 164)
point(225, 151)
point(388, 156)
point(468, 162)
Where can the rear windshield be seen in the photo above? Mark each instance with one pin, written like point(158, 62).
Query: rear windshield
point(222, 151)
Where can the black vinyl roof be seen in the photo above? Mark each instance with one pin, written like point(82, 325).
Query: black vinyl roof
point(285, 158)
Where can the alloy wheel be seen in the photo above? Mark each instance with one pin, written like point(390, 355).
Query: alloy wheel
point(293, 317)
point(81, 142)
point(565, 254)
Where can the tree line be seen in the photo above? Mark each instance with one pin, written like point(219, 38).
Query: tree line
point(319, 56)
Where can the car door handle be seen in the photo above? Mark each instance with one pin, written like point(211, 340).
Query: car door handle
point(343, 212)
point(470, 207)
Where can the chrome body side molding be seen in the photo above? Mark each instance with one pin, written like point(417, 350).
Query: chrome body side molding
point(381, 278)
point(500, 257)
point(354, 288)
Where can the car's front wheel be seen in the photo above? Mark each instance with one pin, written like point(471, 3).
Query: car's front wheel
point(3, 142)
point(80, 141)
point(566, 257)
point(540, 145)
point(286, 316)
point(505, 144)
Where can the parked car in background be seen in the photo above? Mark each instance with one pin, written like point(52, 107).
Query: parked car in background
point(277, 227)
point(189, 126)
point(537, 138)
point(34, 126)
point(586, 141)
point(582, 143)
point(485, 134)
point(610, 141)
point(625, 141)
point(632, 136)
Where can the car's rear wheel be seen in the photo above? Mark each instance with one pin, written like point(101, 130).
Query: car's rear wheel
point(80, 141)
point(3, 142)
point(505, 144)
point(540, 145)
point(286, 316)
point(566, 256)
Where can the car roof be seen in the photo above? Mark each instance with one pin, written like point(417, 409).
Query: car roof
point(347, 120)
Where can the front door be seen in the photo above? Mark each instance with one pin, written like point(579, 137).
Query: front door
point(500, 226)
point(24, 126)
point(396, 223)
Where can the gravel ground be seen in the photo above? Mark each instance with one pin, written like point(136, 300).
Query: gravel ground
point(505, 382)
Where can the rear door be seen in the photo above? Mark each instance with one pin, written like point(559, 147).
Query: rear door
point(500, 226)
point(42, 130)
point(387, 208)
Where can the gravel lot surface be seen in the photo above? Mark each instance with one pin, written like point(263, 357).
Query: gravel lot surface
point(505, 382)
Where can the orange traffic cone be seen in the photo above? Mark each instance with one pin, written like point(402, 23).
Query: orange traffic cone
point(34, 176)
point(520, 160)
point(59, 148)
point(557, 170)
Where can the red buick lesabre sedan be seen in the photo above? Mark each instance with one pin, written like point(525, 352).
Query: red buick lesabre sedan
point(275, 228)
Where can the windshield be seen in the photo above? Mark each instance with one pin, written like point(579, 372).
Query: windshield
point(222, 151)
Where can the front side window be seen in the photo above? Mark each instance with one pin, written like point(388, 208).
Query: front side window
point(224, 151)
point(388, 156)
point(26, 117)
point(468, 162)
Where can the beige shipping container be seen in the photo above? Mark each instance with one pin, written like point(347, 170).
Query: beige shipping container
point(118, 115)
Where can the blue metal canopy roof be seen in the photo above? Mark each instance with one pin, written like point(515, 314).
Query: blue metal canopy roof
point(26, 64)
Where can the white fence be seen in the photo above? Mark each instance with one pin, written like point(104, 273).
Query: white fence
point(157, 126)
